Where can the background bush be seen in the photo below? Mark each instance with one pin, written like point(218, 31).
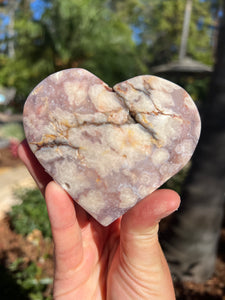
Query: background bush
point(30, 214)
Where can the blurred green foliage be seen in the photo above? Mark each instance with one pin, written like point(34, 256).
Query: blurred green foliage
point(160, 26)
point(30, 279)
point(196, 87)
point(12, 130)
point(114, 39)
point(76, 33)
point(30, 214)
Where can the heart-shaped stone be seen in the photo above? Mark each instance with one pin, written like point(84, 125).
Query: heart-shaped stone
point(109, 148)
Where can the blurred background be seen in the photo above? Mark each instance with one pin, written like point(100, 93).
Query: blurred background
point(183, 41)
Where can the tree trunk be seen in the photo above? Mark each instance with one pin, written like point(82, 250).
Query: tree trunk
point(190, 244)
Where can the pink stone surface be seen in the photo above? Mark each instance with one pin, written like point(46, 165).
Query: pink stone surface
point(110, 148)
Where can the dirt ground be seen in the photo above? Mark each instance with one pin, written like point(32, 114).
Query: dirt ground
point(32, 249)
point(214, 288)
point(35, 249)
point(7, 159)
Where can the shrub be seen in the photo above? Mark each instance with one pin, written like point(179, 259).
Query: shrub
point(30, 214)
point(31, 280)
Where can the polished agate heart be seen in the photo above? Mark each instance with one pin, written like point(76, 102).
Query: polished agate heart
point(110, 148)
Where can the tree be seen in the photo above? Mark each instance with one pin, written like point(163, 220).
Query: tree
point(21, 70)
point(137, 35)
point(75, 33)
point(191, 241)
point(159, 27)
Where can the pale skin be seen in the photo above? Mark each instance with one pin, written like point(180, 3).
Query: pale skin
point(121, 261)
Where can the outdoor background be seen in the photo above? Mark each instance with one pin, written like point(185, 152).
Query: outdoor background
point(183, 41)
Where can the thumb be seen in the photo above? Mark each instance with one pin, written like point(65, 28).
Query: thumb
point(140, 249)
point(142, 218)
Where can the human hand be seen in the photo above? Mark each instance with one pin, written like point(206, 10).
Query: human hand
point(121, 261)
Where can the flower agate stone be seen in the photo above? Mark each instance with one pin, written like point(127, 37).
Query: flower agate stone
point(110, 148)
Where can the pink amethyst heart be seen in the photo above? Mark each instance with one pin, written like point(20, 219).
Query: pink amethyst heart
point(110, 148)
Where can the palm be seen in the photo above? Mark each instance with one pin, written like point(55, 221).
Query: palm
point(99, 262)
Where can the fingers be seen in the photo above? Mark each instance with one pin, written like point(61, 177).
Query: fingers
point(65, 228)
point(140, 249)
point(34, 167)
